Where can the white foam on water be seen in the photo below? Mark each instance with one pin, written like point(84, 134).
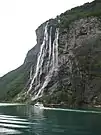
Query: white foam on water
point(10, 104)
point(12, 125)
point(71, 110)
point(4, 117)
point(13, 121)
point(7, 131)
point(7, 116)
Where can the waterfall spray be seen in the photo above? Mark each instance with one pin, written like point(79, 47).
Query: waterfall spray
point(50, 50)
point(39, 58)
point(31, 73)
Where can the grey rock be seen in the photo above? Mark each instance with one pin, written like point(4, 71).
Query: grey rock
point(79, 68)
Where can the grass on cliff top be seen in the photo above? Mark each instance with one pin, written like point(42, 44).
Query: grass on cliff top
point(92, 9)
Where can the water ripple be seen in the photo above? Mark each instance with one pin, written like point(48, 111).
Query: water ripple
point(12, 125)
point(7, 131)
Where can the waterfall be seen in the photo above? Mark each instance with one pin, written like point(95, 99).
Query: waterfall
point(50, 43)
point(55, 50)
point(31, 73)
point(47, 63)
point(56, 47)
point(39, 58)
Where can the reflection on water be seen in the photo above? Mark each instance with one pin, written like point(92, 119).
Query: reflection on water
point(27, 120)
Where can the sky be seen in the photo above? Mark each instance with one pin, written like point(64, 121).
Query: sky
point(18, 21)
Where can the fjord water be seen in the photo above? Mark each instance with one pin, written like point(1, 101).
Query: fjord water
point(27, 120)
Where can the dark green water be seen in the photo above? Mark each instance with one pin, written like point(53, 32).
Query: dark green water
point(26, 120)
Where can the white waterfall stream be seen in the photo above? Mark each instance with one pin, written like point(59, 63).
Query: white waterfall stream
point(39, 59)
point(31, 73)
point(50, 42)
point(47, 63)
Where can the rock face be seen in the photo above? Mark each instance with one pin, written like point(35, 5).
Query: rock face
point(77, 80)
point(79, 70)
point(64, 67)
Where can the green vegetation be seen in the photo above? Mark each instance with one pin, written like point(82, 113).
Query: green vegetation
point(87, 10)
point(59, 97)
point(13, 82)
point(90, 64)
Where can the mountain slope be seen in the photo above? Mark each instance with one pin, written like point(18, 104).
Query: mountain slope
point(15, 81)
point(64, 67)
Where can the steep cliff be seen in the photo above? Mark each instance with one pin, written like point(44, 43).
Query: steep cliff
point(64, 67)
